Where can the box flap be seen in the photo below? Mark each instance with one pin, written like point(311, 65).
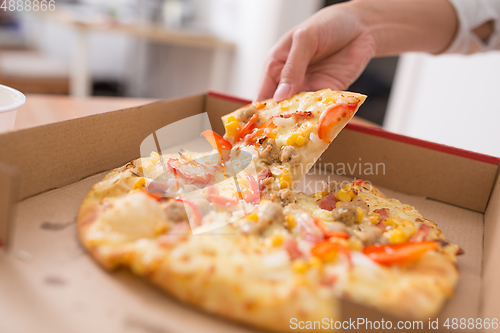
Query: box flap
point(411, 168)
point(8, 193)
point(59, 154)
point(218, 105)
point(491, 259)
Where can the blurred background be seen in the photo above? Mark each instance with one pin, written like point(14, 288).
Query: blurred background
point(155, 49)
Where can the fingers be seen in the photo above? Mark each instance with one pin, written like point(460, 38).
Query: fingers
point(270, 80)
point(295, 67)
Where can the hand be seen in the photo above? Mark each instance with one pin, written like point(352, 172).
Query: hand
point(330, 49)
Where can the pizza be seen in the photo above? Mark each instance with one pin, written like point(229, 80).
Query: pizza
point(225, 232)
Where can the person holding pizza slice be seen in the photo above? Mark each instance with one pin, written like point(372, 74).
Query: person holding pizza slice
point(332, 48)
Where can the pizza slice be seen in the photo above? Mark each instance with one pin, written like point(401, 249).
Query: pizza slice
point(288, 137)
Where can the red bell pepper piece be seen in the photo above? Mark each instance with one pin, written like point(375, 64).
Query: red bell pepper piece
point(329, 233)
point(262, 130)
point(219, 143)
point(245, 129)
point(399, 253)
point(332, 116)
point(323, 249)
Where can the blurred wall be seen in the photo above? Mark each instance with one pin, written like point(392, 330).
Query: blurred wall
point(254, 26)
point(449, 99)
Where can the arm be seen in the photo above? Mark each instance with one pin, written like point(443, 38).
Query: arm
point(333, 47)
point(401, 26)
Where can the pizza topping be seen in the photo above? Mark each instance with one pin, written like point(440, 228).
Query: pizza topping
point(251, 195)
point(290, 154)
point(247, 112)
point(246, 129)
point(345, 212)
point(328, 233)
point(196, 214)
point(291, 247)
point(262, 132)
point(328, 202)
point(175, 211)
point(327, 251)
point(190, 170)
point(307, 228)
point(333, 115)
point(222, 201)
point(399, 253)
point(421, 234)
point(270, 152)
point(370, 234)
point(218, 143)
point(383, 212)
point(284, 197)
point(267, 213)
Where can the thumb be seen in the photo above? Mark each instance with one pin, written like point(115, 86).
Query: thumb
point(294, 70)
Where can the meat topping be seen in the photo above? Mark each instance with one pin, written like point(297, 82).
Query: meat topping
point(246, 113)
point(328, 202)
point(284, 197)
point(175, 211)
point(270, 152)
point(346, 212)
point(290, 154)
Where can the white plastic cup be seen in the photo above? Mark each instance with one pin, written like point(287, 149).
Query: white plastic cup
point(10, 101)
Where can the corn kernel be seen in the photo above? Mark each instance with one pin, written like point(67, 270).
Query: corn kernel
point(300, 141)
point(155, 157)
point(291, 139)
point(284, 105)
point(344, 195)
point(285, 180)
point(272, 135)
point(231, 118)
point(290, 220)
point(397, 236)
point(299, 266)
point(276, 239)
point(329, 100)
point(232, 128)
point(139, 184)
point(359, 214)
point(253, 217)
point(314, 262)
point(374, 218)
point(407, 227)
point(390, 222)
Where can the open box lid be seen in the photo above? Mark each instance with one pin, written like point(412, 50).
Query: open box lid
point(52, 156)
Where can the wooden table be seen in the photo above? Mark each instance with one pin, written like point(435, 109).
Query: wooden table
point(46, 109)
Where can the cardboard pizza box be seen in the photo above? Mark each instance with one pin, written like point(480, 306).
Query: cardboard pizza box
point(48, 283)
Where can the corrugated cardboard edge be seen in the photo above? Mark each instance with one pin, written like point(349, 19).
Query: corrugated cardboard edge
point(8, 194)
point(490, 307)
